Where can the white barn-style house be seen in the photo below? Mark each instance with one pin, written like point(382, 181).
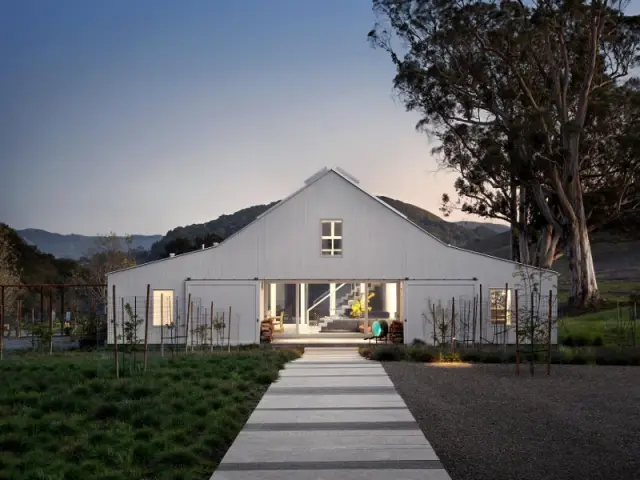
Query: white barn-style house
point(307, 260)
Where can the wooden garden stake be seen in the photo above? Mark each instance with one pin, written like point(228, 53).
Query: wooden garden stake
point(506, 315)
point(517, 335)
point(162, 325)
point(186, 343)
point(211, 334)
point(480, 319)
point(50, 321)
point(115, 333)
point(1, 322)
point(146, 330)
point(549, 332)
point(453, 323)
point(229, 337)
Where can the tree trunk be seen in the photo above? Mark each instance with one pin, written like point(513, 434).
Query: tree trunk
point(547, 246)
point(584, 287)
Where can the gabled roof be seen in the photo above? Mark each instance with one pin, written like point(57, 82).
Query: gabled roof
point(310, 181)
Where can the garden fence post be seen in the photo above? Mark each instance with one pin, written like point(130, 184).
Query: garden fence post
point(115, 332)
point(532, 335)
point(506, 316)
point(517, 334)
point(50, 320)
point(186, 341)
point(162, 325)
point(62, 313)
point(211, 334)
point(2, 322)
point(480, 319)
point(453, 323)
point(146, 330)
point(549, 333)
point(475, 317)
point(229, 334)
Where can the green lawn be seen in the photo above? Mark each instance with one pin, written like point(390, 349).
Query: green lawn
point(610, 327)
point(67, 417)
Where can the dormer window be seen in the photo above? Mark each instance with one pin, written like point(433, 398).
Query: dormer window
point(331, 238)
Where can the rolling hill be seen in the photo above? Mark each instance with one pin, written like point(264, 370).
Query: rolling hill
point(74, 246)
point(226, 225)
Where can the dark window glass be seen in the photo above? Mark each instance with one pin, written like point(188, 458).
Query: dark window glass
point(326, 229)
point(337, 229)
point(326, 244)
point(337, 244)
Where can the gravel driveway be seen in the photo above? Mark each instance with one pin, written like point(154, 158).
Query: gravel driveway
point(485, 423)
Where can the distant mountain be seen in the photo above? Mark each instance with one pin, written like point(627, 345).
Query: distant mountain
point(190, 237)
point(74, 246)
point(34, 265)
point(495, 227)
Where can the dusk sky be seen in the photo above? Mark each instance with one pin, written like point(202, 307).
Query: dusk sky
point(140, 116)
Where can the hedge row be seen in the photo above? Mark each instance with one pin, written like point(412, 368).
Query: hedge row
point(584, 356)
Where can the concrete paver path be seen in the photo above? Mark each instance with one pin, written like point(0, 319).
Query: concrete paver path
point(331, 415)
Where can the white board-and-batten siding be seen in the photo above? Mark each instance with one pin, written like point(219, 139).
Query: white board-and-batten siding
point(284, 244)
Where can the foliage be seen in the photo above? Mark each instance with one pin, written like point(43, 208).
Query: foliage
point(577, 356)
point(9, 272)
point(110, 253)
point(515, 94)
point(43, 334)
point(357, 306)
point(90, 329)
point(68, 417)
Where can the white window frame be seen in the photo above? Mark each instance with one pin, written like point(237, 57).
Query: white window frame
point(498, 320)
point(168, 306)
point(331, 252)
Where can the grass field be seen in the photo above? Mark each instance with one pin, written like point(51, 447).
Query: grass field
point(67, 417)
point(607, 327)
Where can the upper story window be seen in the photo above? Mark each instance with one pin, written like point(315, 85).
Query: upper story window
point(331, 237)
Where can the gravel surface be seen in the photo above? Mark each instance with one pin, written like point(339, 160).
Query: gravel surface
point(485, 423)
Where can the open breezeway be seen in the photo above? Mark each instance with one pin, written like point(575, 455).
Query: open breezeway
point(331, 415)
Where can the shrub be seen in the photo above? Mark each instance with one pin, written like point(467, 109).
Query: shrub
point(450, 357)
point(597, 341)
point(419, 354)
point(387, 353)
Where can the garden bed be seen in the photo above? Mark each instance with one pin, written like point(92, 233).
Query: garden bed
point(559, 355)
point(67, 417)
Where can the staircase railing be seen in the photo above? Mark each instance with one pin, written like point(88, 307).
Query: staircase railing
point(323, 298)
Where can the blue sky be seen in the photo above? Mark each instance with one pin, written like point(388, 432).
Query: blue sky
point(142, 116)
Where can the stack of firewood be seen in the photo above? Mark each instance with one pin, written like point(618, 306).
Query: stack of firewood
point(266, 331)
point(396, 332)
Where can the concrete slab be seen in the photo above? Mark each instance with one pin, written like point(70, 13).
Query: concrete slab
point(330, 401)
point(333, 372)
point(330, 416)
point(366, 473)
point(335, 381)
point(255, 447)
point(329, 390)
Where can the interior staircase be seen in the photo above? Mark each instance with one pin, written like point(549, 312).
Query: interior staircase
point(340, 321)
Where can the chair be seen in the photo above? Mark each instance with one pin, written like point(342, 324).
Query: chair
point(278, 323)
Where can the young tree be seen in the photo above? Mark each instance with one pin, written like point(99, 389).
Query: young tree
point(109, 254)
point(9, 272)
point(507, 87)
